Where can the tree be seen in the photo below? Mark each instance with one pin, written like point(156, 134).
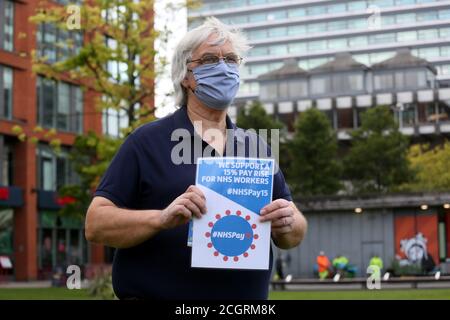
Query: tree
point(255, 117)
point(431, 167)
point(314, 169)
point(116, 59)
point(117, 62)
point(377, 160)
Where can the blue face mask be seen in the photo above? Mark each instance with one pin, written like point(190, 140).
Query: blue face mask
point(217, 84)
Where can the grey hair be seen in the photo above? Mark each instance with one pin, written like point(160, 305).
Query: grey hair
point(192, 40)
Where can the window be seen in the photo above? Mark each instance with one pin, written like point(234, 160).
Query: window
point(6, 89)
point(258, 69)
point(297, 88)
point(444, 32)
point(117, 70)
point(297, 48)
point(54, 170)
point(257, 17)
point(296, 13)
point(399, 79)
point(408, 114)
point(427, 53)
point(296, 30)
point(382, 38)
point(344, 83)
point(280, 49)
point(283, 89)
point(383, 81)
point(337, 25)
point(335, 44)
point(237, 3)
point(277, 15)
point(312, 11)
point(387, 20)
point(404, 2)
point(6, 163)
point(336, 8)
point(53, 43)
point(356, 82)
point(444, 14)
point(427, 34)
point(6, 232)
point(258, 51)
point(320, 84)
point(317, 45)
point(257, 34)
point(356, 5)
point(355, 24)
point(253, 2)
point(384, 3)
point(415, 79)
point(60, 105)
point(406, 18)
point(113, 121)
point(269, 91)
point(445, 51)
point(273, 66)
point(277, 32)
point(355, 42)
point(406, 36)
point(238, 19)
point(427, 16)
point(7, 25)
point(317, 27)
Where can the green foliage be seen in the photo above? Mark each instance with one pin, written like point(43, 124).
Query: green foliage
point(256, 117)
point(90, 156)
point(377, 161)
point(431, 167)
point(406, 270)
point(129, 25)
point(314, 169)
point(101, 287)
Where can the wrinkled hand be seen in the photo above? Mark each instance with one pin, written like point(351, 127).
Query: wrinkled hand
point(191, 203)
point(281, 213)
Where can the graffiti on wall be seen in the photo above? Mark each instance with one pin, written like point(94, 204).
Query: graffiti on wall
point(416, 240)
point(415, 248)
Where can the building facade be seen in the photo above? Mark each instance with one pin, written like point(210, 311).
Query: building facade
point(313, 33)
point(32, 235)
point(344, 88)
point(400, 227)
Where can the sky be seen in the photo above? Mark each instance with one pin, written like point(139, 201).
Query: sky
point(176, 22)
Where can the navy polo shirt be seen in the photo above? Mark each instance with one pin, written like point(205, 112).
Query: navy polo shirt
point(141, 176)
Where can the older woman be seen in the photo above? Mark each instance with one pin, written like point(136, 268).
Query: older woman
point(145, 200)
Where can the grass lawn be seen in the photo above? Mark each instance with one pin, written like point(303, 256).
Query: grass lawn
point(411, 294)
point(43, 294)
point(65, 294)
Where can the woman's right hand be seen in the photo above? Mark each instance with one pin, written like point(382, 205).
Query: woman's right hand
point(191, 203)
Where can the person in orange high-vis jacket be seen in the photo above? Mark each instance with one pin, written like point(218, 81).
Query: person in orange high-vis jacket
point(323, 264)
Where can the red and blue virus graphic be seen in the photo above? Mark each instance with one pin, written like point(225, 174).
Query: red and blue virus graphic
point(232, 235)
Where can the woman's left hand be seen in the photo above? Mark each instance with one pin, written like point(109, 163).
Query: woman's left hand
point(281, 213)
